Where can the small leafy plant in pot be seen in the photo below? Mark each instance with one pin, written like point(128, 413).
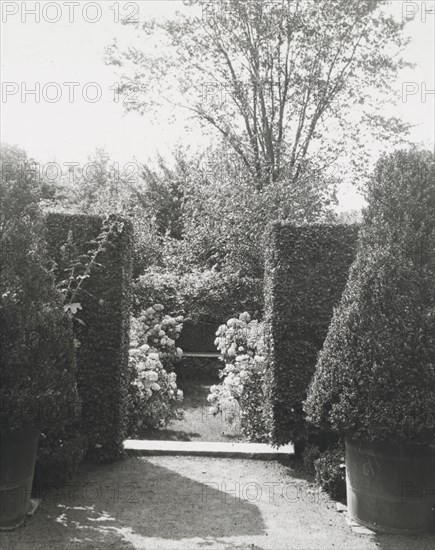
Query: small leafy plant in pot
point(37, 362)
point(375, 377)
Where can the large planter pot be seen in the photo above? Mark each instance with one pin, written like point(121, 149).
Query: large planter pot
point(17, 464)
point(391, 487)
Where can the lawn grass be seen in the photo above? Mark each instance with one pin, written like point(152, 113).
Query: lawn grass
point(198, 423)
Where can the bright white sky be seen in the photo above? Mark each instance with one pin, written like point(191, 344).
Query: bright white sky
point(42, 52)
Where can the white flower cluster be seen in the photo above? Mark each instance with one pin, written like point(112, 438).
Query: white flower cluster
point(151, 376)
point(154, 395)
point(241, 344)
point(159, 331)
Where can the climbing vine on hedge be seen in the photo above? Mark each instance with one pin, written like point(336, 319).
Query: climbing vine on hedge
point(105, 301)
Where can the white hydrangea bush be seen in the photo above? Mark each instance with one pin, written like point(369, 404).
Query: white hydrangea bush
point(154, 398)
point(159, 331)
point(239, 397)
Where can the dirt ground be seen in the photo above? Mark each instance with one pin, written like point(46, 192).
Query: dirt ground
point(193, 503)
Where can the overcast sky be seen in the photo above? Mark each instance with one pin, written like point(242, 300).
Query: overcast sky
point(71, 51)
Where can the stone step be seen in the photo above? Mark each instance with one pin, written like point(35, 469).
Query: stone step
point(206, 448)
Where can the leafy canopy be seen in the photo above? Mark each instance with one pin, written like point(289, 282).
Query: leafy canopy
point(287, 85)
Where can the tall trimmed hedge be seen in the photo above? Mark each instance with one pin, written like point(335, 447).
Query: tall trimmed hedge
point(306, 272)
point(375, 378)
point(102, 356)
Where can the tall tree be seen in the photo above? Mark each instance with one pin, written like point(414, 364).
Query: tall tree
point(288, 84)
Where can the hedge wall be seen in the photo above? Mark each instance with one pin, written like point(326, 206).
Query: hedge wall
point(102, 357)
point(206, 298)
point(305, 274)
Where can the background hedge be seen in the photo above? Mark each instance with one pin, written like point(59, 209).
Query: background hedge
point(205, 298)
point(306, 272)
point(102, 357)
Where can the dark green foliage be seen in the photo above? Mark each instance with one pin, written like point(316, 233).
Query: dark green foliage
point(309, 455)
point(253, 420)
point(37, 375)
point(306, 271)
point(157, 286)
point(102, 357)
point(37, 364)
point(331, 473)
point(375, 378)
point(60, 453)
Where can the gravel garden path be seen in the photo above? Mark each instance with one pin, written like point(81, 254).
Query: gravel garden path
point(170, 502)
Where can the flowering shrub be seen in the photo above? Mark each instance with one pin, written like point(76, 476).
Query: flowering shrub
point(153, 395)
point(153, 392)
point(240, 395)
point(159, 331)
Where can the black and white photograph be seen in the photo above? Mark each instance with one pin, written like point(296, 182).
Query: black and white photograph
point(217, 275)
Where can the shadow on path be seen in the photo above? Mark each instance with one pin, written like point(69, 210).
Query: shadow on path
point(124, 505)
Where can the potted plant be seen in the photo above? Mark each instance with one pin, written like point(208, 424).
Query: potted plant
point(37, 363)
point(375, 377)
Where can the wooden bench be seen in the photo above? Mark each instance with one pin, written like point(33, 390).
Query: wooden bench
point(201, 354)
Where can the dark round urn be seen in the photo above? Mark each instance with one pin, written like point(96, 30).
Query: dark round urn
point(391, 486)
point(17, 464)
